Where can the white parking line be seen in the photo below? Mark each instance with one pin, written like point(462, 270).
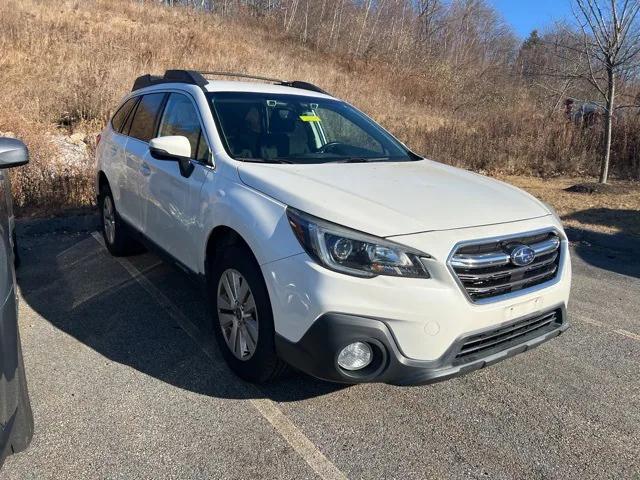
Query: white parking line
point(611, 328)
point(267, 408)
point(626, 333)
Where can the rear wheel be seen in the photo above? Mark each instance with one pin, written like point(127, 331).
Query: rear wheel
point(242, 316)
point(115, 233)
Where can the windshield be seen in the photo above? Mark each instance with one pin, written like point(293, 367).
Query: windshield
point(263, 127)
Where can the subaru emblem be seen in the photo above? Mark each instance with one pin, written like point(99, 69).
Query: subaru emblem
point(522, 255)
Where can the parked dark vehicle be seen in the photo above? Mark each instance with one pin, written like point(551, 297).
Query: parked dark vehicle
point(16, 420)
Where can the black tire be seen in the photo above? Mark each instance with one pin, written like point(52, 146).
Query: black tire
point(264, 365)
point(121, 244)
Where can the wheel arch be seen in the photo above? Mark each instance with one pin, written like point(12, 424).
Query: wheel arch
point(246, 216)
point(101, 181)
point(220, 237)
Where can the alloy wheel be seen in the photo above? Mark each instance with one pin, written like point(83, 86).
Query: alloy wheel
point(237, 314)
point(109, 219)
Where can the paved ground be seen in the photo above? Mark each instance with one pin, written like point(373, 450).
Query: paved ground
point(126, 383)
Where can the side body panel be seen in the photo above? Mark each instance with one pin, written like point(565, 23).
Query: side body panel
point(259, 220)
point(131, 183)
point(172, 203)
point(110, 156)
point(16, 420)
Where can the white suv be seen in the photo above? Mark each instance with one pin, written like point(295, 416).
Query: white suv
point(322, 241)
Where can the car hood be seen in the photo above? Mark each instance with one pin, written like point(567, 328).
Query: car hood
point(395, 198)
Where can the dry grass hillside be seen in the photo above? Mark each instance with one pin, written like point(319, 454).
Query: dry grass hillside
point(65, 64)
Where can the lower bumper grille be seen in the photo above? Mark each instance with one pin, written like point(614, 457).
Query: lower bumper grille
point(489, 269)
point(493, 341)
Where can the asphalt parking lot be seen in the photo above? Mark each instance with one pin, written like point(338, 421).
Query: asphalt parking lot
point(126, 382)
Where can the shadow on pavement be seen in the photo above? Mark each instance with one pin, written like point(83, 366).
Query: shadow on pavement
point(73, 283)
point(617, 252)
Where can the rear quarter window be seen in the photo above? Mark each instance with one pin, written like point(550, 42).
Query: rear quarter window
point(121, 115)
point(143, 126)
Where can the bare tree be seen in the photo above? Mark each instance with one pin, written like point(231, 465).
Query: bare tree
point(611, 43)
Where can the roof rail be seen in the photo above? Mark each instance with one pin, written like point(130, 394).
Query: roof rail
point(170, 76)
point(194, 77)
point(285, 83)
point(304, 86)
point(241, 75)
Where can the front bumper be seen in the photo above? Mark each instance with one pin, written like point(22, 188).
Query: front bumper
point(424, 316)
point(316, 352)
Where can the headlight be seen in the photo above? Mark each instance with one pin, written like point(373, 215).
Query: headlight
point(355, 253)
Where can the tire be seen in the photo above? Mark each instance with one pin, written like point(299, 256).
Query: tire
point(115, 233)
point(263, 364)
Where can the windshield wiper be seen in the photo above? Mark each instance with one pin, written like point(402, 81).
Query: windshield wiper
point(360, 160)
point(263, 160)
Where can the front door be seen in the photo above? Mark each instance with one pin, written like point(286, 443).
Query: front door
point(174, 189)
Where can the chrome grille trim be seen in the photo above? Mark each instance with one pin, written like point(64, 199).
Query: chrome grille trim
point(484, 271)
point(493, 276)
point(512, 284)
point(495, 259)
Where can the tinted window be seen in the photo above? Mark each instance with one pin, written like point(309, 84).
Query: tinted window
point(180, 118)
point(121, 115)
point(127, 123)
point(144, 121)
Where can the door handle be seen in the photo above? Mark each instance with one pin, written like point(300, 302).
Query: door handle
point(145, 170)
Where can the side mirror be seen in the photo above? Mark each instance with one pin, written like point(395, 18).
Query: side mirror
point(13, 153)
point(170, 148)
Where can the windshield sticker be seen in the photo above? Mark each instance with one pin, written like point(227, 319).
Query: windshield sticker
point(309, 118)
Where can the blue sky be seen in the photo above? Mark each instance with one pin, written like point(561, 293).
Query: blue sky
point(526, 15)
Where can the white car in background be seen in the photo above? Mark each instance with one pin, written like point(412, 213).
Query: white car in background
point(322, 241)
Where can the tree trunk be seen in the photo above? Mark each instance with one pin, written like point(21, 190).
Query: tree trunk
point(608, 125)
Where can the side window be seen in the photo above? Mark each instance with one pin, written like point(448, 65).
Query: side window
point(204, 153)
point(180, 118)
point(143, 125)
point(120, 116)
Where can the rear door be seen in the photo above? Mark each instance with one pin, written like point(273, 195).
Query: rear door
point(113, 148)
point(142, 127)
point(173, 193)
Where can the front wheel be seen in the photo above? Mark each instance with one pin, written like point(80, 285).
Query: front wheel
point(242, 316)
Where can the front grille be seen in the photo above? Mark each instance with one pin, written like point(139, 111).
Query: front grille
point(493, 341)
point(486, 270)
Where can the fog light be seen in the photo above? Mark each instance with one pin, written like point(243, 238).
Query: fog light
point(355, 356)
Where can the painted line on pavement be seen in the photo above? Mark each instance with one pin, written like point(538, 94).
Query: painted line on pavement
point(266, 407)
point(604, 326)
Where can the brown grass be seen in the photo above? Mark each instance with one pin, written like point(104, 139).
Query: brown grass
point(615, 212)
point(65, 64)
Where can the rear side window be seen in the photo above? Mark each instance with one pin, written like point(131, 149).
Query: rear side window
point(143, 126)
point(121, 115)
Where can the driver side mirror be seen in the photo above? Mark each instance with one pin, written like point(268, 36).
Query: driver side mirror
point(174, 147)
point(13, 153)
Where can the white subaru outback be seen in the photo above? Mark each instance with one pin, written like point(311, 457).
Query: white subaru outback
point(321, 240)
